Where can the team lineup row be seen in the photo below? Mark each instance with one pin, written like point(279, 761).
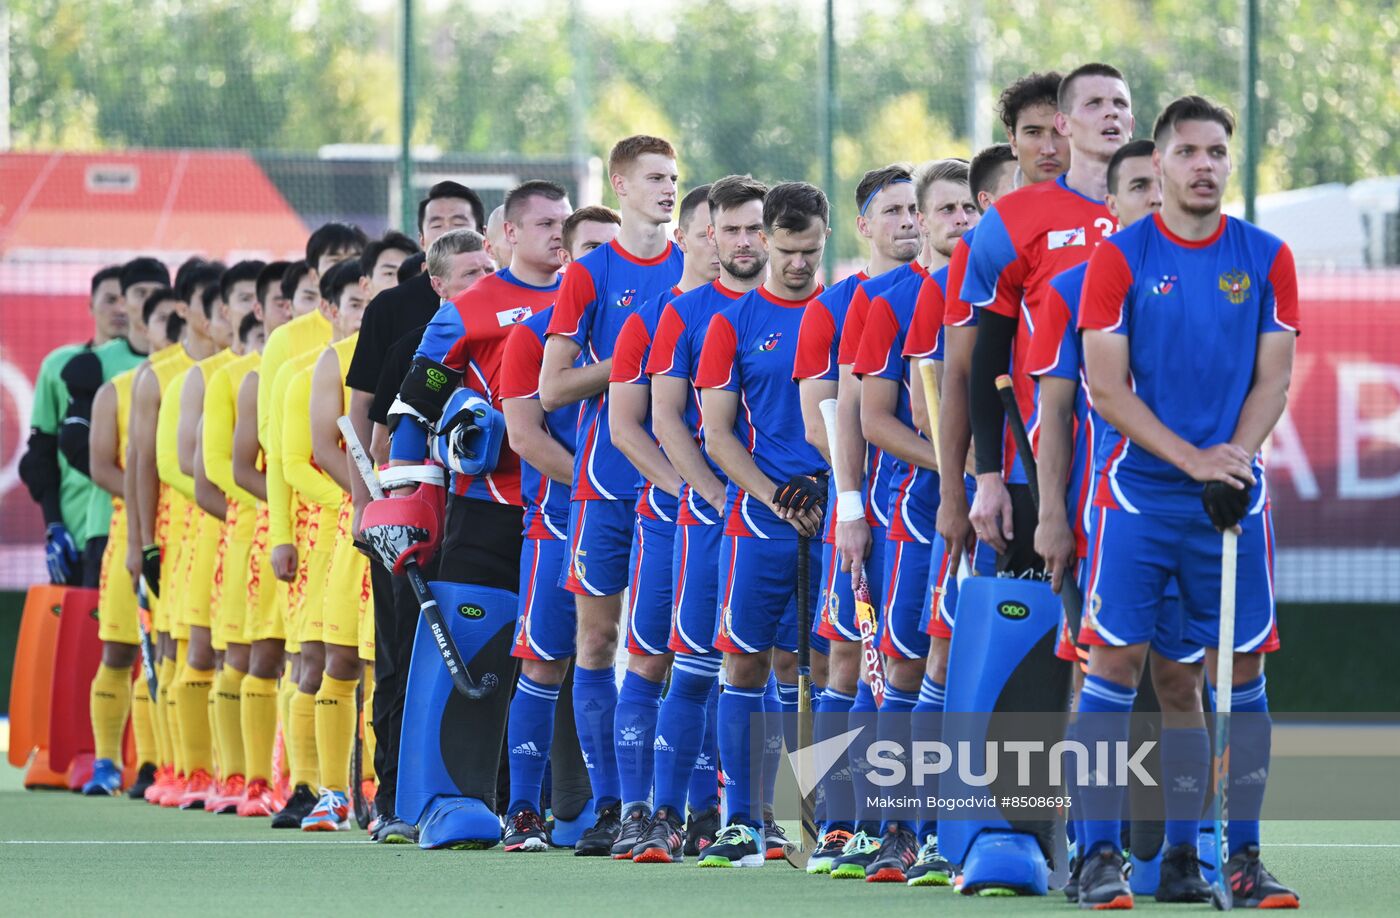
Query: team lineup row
point(573, 408)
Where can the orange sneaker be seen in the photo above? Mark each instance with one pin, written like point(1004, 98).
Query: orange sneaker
point(156, 791)
point(198, 791)
point(368, 788)
point(174, 791)
point(231, 794)
point(258, 799)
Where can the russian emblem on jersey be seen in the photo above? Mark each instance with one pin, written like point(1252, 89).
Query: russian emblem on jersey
point(513, 316)
point(771, 342)
point(1063, 239)
point(1235, 285)
point(627, 296)
point(1164, 285)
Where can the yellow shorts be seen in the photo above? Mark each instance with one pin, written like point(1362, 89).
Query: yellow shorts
point(169, 531)
point(340, 610)
point(366, 613)
point(116, 603)
point(216, 590)
point(262, 614)
point(174, 584)
point(292, 595)
point(200, 579)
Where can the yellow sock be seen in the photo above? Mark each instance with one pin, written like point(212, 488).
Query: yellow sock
point(301, 742)
point(371, 741)
point(258, 713)
point(109, 701)
point(168, 670)
point(286, 691)
point(228, 701)
point(192, 708)
point(335, 731)
point(216, 748)
point(143, 726)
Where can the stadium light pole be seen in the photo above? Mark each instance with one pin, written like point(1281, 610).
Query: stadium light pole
point(828, 133)
point(407, 207)
point(1249, 76)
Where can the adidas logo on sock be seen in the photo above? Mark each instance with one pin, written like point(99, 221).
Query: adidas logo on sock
point(526, 749)
point(661, 744)
point(1257, 776)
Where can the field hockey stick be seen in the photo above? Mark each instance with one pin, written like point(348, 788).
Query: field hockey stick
point(1070, 595)
point(357, 761)
point(148, 647)
point(865, 609)
point(933, 400)
point(1220, 894)
point(798, 857)
point(451, 657)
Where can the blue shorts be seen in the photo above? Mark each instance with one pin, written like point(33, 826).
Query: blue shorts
point(1133, 558)
point(544, 629)
point(649, 590)
point(941, 603)
point(837, 603)
point(758, 608)
point(906, 593)
point(695, 579)
point(600, 545)
point(1169, 639)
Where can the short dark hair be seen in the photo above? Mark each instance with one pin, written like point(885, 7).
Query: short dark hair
point(292, 277)
point(451, 189)
point(208, 297)
point(696, 196)
point(182, 273)
point(793, 206)
point(593, 213)
point(174, 326)
point(534, 188)
point(412, 266)
point(154, 299)
point(271, 274)
point(241, 271)
point(112, 272)
point(938, 170)
point(204, 274)
point(246, 326)
point(1064, 99)
point(629, 149)
point(334, 237)
point(1130, 150)
point(1031, 89)
point(1192, 108)
point(734, 191)
point(986, 168)
point(340, 276)
point(392, 240)
point(874, 181)
point(142, 270)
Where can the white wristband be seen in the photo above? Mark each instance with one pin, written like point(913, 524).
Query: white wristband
point(849, 507)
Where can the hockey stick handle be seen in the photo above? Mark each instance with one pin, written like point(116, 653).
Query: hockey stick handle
point(1018, 431)
point(933, 401)
point(804, 614)
point(1221, 895)
point(360, 457)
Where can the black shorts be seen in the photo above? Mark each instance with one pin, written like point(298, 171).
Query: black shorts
point(91, 564)
point(481, 544)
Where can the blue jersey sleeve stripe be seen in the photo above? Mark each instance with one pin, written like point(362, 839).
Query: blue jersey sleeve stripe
point(992, 251)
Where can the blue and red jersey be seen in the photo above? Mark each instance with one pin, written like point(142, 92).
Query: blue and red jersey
point(469, 335)
point(546, 500)
point(749, 350)
point(956, 310)
point(925, 336)
point(1056, 351)
point(913, 491)
point(680, 336)
point(629, 366)
point(1193, 313)
point(1024, 240)
point(599, 292)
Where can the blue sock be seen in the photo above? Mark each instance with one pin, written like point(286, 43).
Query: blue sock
point(638, 704)
point(865, 699)
point(928, 729)
point(703, 793)
point(530, 730)
point(776, 698)
point(895, 728)
point(680, 728)
point(862, 788)
point(595, 703)
point(736, 707)
point(1185, 775)
point(1104, 708)
point(1251, 741)
point(1074, 828)
point(835, 790)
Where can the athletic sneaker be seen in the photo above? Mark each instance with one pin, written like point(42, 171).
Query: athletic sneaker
point(395, 831)
point(738, 845)
point(331, 814)
point(1253, 886)
point(598, 841)
point(1102, 883)
point(230, 796)
point(297, 808)
point(1180, 879)
point(258, 799)
point(634, 826)
point(1072, 884)
point(898, 850)
point(833, 843)
point(145, 778)
point(775, 840)
point(156, 792)
point(199, 790)
point(859, 852)
point(527, 832)
point(174, 790)
point(664, 839)
point(700, 831)
point(930, 868)
point(106, 780)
